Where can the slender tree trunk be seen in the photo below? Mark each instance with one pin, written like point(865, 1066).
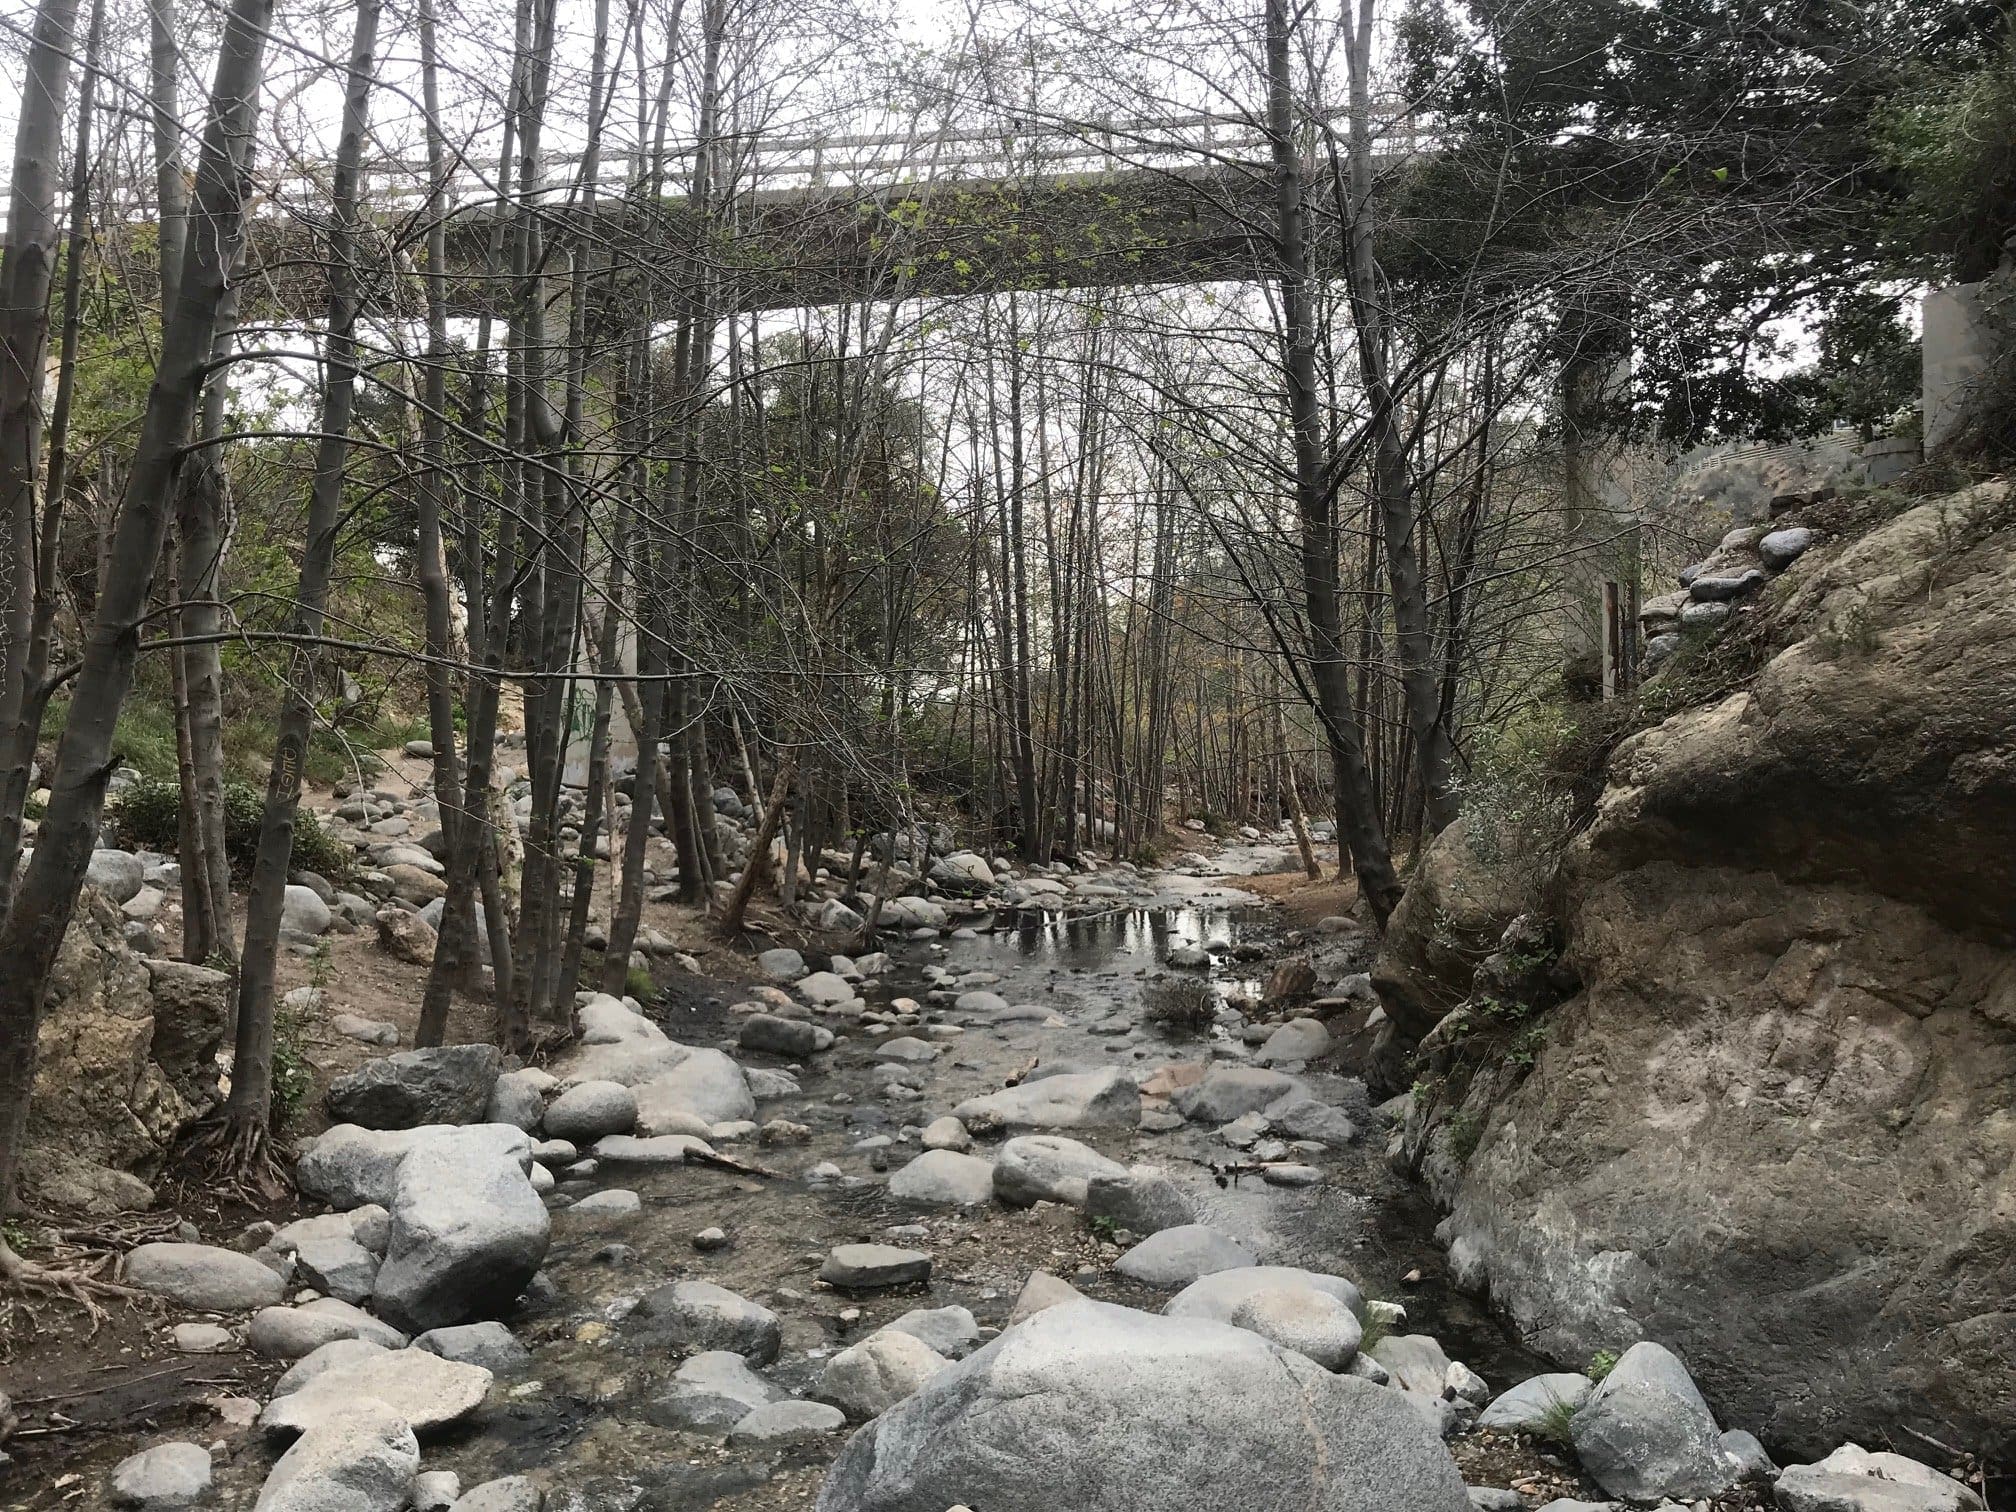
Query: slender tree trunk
point(1357, 807)
point(247, 1112)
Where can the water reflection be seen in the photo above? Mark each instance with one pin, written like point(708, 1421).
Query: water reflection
point(1144, 936)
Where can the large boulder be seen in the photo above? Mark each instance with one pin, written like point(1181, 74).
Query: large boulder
point(944, 1178)
point(588, 1110)
point(361, 1460)
point(103, 1104)
point(1229, 1092)
point(1645, 1434)
point(711, 1393)
point(698, 1315)
point(204, 1277)
point(1219, 1294)
point(468, 1232)
point(347, 1166)
point(1075, 1100)
point(1851, 1479)
point(1772, 1128)
point(1087, 1405)
point(426, 1390)
point(1035, 1168)
point(448, 1084)
point(1172, 1258)
point(705, 1084)
point(867, 1379)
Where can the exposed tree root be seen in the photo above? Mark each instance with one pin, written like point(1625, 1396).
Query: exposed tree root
point(80, 1284)
point(237, 1155)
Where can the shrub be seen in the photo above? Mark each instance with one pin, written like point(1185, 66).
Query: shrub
point(148, 816)
point(1601, 1364)
point(638, 984)
point(1184, 1004)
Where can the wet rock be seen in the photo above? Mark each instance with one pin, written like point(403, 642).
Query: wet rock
point(1537, 1402)
point(427, 1391)
point(1228, 1092)
point(1645, 1433)
point(468, 1233)
point(449, 1084)
point(1296, 1041)
point(510, 1493)
point(712, 1392)
point(867, 1379)
point(657, 1150)
point(1035, 1168)
point(1299, 1116)
point(292, 1333)
point(588, 1110)
point(1173, 1258)
point(949, 1330)
point(698, 1315)
point(168, 1475)
point(864, 1267)
point(792, 1038)
point(907, 1049)
point(1852, 1479)
point(944, 1177)
point(705, 1084)
point(361, 1459)
point(1131, 1412)
point(488, 1344)
point(1289, 1174)
point(203, 1276)
point(787, 1423)
point(1143, 1201)
point(1300, 1318)
point(1077, 1100)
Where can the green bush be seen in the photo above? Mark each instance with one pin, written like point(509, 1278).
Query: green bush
point(148, 816)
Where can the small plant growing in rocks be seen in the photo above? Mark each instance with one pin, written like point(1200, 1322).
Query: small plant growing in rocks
point(1184, 1005)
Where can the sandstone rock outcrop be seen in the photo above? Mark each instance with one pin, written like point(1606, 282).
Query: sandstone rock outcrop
point(1774, 1127)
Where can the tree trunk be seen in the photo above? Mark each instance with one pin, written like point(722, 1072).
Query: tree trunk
point(248, 1110)
point(1357, 806)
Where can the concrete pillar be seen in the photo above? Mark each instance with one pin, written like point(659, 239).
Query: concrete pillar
point(1957, 344)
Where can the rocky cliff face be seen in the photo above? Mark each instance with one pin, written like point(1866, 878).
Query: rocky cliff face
point(1775, 1126)
point(126, 1056)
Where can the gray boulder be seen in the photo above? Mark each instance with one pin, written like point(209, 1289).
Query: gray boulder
point(291, 1333)
point(781, 964)
point(698, 1315)
point(1536, 1402)
point(424, 1389)
point(944, 1178)
point(1417, 1364)
point(1782, 548)
point(867, 1379)
point(793, 1038)
point(468, 1232)
point(1087, 1405)
point(1144, 1201)
point(349, 1167)
point(1300, 1318)
point(1218, 1295)
point(303, 912)
point(1035, 1168)
point(204, 1277)
point(1080, 1100)
point(488, 1344)
point(449, 1084)
point(1173, 1258)
point(1646, 1435)
point(705, 1084)
point(168, 1475)
point(1852, 1479)
point(509, 1493)
point(1302, 1039)
point(787, 1423)
point(519, 1098)
point(116, 873)
point(1299, 1116)
point(588, 1110)
point(949, 1330)
point(712, 1392)
point(865, 1267)
point(361, 1459)
point(1229, 1092)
